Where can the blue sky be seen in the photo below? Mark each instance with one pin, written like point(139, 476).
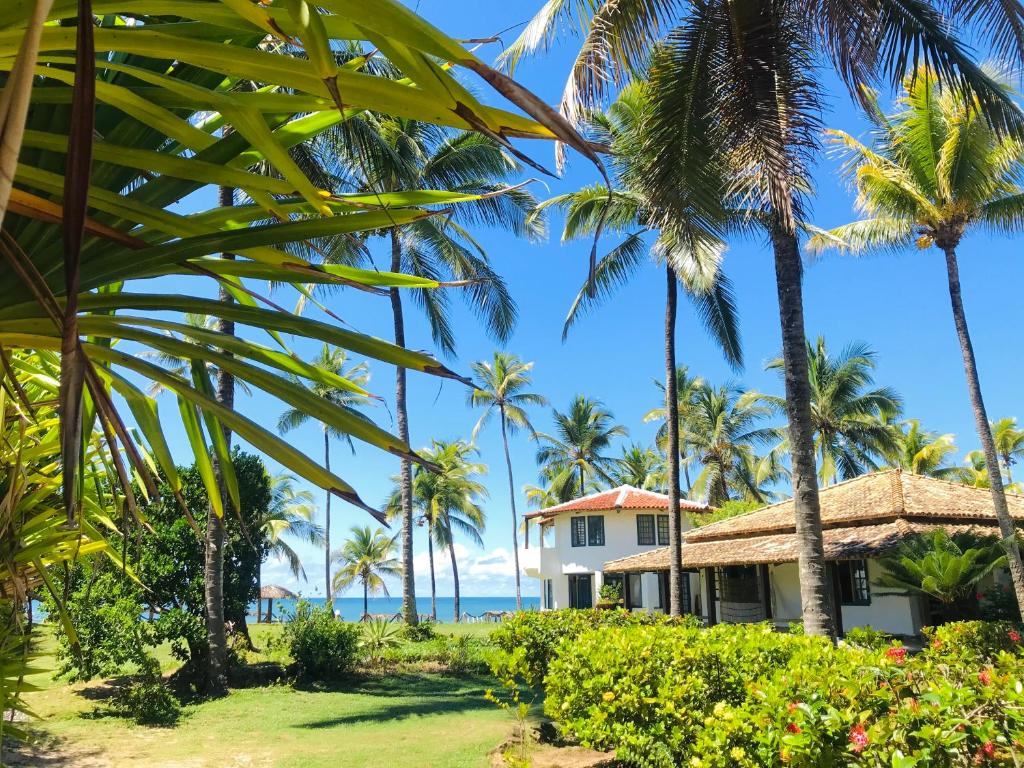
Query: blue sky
point(898, 305)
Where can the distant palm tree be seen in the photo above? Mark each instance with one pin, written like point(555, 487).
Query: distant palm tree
point(975, 473)
point(924, 453)
point(367, 557)
point(290, 515)
point(1009, 444)
point(852, 424)
point(573, 461)
point(446, 501)
point(501, 384)
point(936, 170)
point(724, 431)
point(377, 153)
point(351, 396)
point(686, 390)
point(640, 467)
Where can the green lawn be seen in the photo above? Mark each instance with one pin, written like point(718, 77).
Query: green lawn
point(420, 719)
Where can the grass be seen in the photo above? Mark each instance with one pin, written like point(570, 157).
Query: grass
point(393, 720)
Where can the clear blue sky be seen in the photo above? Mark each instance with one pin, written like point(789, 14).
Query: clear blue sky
point(898, 305)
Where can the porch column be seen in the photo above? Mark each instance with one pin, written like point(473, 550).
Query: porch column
point(766, 592)
point(709, 580)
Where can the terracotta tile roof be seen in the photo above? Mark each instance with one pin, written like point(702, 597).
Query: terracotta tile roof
point(623, 497)
point(863, 517)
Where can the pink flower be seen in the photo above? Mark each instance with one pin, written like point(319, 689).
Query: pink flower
point(985, 677)
point(792, 706)
point(897, 654)
point(936, 643)
point(793, 728)
point(1013, 635)
point(858, 738)
point(988, 748)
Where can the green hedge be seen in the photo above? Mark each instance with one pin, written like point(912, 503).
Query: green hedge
point(745, 695)
point(323, 647)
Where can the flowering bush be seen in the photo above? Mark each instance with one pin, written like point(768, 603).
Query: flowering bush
point(744, 695)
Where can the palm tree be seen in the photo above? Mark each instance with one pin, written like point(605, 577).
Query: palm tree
point(391, 153)
point(573, 460)
point(724, 432)
point(290, 516)
point(924, 453)
point(500, 388)
point(686, 390)
point(347, 391)
point(975, 473)
point(640, 467)
point(1009, 442)
point(936, 170)
point(852, 424)
point(684, 241)
point(367, 557)
point(738, 79)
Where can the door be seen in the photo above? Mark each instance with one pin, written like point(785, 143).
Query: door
point(581, 591)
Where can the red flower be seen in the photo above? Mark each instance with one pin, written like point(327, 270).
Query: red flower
point(792, 706)
point(897, 654)
point(985, 677)
point(793, 728)
point(936, 643)
point(858, 738)
point(980, 595)
point(988, 748)
point(1013, 635)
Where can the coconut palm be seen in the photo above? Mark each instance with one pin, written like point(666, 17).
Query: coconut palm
point(686, 390)
point(975, 473)
point(924, 453)
point(290, 516)
point(377, 153)
point(936, 170)
point(640, 467)
point(574, 461)
point(852, 424)
point(367, 557)
point(724, 430)
point(500, 385)
point(344, 387)
point(1009, 442)
point(738, 80)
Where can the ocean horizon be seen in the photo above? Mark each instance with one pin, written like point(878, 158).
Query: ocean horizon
point(351, 608)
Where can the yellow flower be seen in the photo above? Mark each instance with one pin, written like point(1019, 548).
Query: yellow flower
point(608, 695)
point(737, 753)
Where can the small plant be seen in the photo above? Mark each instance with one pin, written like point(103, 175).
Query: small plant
point(323, 647)
point(379, 637)
point(611, 594)
point(868, 637)
point(148, 700)
point(419, 633)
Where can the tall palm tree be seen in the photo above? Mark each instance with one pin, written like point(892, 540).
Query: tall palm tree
point(500, 388)
point(738, 79)
point(290, 516)
point(924, 453)
point(347, 392)
point(640, 467)
point(852, 424)
point(574, 461)
point(724, 430)
point(1009, 440)
point(936, 170)
point(685, 242)
point(975, 473)
point(384, 153)
point(367, 557)
point(686, 390)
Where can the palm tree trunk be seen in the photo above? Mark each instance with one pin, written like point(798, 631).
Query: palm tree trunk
point(815, 596)
point(455, 569)
point(515, 517)
point(213, 561)
point(582, 492)
point(988, 446)
point(405, 475)
point(675, 521)
point(366, 599)
point(328, 587)
point(433, 584)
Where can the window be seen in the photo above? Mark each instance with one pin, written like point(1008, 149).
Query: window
point(549, 601)
point(854, 588)
point(636, 590)
point(581, 593)
point(739, 584)
point(579, 531)
point(644, 529)
point(718, 583)
point(662, 530)
point(595, 530)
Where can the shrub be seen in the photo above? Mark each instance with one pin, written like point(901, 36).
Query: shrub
point(419, 632)
point(379, 637)
point(868, 637)
point(999, 603)
point(976, 642)
point(148, 700)
point(323, 647)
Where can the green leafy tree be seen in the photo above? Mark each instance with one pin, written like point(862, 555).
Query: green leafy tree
point(500, 388)
point(367, 557)
point(573, 460)
point(345, 388)
point(852, 423)
point(924, 453)
point(947, 568)
point(936, 170)
point(1009, 440)
point(640, 467)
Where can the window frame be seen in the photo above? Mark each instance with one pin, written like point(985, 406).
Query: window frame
point(549, 590)
point(650, 519)
point(593, 528)
point(639, 580)
point(658, 529)
point(574, 528)
point(854, 582)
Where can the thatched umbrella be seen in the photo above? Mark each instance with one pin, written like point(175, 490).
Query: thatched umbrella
point(270, 593)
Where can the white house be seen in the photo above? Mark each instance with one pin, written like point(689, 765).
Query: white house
point(747, 564)
point(578, 537)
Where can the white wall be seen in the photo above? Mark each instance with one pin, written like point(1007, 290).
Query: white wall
point(560, 558)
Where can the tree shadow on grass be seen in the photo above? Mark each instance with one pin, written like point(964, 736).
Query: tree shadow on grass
point(47, 752)
point(404, 696)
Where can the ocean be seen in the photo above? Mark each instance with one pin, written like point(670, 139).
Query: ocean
point(351, 608)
